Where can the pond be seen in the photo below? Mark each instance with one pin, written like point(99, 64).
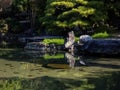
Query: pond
point(34, 70)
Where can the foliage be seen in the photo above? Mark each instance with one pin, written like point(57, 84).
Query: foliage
point(83, 2)
point(55, 41)
point(59, 41)
point(14, 26)
point(61, 14)
point(76, 39)
point(62, 3)
point(113, 12)
point(3, 26)
point(101, 35)
point(3, 44)
point(20, 5)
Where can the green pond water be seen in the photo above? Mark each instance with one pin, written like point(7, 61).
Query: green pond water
point(34, 70)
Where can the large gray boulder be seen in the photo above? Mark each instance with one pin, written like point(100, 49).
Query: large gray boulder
point(85, 38)
point(102, 46)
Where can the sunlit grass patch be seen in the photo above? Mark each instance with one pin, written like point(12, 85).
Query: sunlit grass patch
point(101, 35)
point(59, 41)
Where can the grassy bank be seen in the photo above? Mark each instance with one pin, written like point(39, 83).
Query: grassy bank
point(101, 35)
point(59, 41)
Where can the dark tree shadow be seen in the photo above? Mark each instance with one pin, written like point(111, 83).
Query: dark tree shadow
point(111, 82)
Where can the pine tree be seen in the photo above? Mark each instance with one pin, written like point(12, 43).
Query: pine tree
point(61, 15)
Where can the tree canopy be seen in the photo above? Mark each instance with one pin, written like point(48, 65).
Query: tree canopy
point(62, 14)
point(59, 16)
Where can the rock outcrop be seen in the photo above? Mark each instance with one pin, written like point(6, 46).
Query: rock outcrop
point(85, 38)
point(102, 46)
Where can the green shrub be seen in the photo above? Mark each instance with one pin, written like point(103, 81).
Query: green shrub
point(59, 41)
point(76, 39)
point(101, 35)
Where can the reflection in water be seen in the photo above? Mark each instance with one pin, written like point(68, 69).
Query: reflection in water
point(71, 59)
point(46, 71)
point(82, 61)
